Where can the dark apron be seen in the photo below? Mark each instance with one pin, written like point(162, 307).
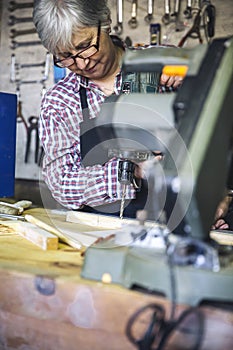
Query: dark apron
point(93, 153)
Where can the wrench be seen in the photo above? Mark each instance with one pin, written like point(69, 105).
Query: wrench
point(166, 17)
point(118, 28)
point(21, 82)
point(46, 66)
point(133, 23)
point(15, 33)
point(16, 5)
point(16, 66)
point(150, 10)
point(12, 71)
point(14, 20)
point(188, 10)
point(176, 14)
point(16, 44)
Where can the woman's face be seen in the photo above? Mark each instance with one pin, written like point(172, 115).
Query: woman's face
point(98, 65)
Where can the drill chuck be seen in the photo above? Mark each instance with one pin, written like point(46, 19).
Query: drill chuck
point(126, 172)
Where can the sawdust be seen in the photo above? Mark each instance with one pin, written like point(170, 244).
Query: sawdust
point(6, 229)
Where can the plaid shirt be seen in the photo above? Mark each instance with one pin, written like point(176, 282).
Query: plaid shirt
point(71, 183)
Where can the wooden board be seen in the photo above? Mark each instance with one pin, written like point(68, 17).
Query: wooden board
point(103, 221)
point(46, 304)
point(43, 239)
point(223, 237)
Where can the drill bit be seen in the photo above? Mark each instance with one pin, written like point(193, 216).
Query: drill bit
point(123, 201)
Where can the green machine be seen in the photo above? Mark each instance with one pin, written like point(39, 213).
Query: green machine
point(192, 127)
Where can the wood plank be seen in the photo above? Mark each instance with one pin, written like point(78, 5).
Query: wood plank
point(223, 237)
point(103, 221)
point(41, 238)
point(92, 315)
point(72, 241)
point(79, 311)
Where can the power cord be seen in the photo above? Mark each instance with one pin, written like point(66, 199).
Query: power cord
point(159, 330)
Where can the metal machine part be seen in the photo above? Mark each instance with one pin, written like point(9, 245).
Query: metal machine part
point(190, 175)
point(126, 168)
point(125, 177)
point(147, 269)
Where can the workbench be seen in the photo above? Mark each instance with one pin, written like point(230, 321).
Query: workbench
point(46, 305)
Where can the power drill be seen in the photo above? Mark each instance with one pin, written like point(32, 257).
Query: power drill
point(127, 164)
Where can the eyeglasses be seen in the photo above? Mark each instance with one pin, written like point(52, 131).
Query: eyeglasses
point(86, 53)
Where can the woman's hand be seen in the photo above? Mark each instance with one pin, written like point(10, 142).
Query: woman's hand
point(142, 167)
point(171, 80)
point(221, 211)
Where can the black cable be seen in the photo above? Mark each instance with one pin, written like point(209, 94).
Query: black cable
point(160, 330)
point(171, 327)
point(153, 330)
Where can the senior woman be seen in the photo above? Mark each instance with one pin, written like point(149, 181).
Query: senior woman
point(77, 34)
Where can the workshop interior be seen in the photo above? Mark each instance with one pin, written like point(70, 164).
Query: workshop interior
point(171, 274)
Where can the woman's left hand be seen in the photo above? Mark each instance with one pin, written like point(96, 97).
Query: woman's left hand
point(171, 80)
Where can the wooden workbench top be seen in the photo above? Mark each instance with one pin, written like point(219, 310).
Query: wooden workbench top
point(46, 305)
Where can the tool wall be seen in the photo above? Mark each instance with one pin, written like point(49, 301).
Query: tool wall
point(26, 68)
point(26, 71)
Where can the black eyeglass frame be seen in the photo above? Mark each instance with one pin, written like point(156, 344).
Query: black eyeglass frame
point(79, 55)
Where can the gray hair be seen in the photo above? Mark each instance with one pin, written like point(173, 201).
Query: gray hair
point(57, 20)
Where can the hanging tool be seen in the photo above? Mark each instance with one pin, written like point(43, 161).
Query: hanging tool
point(15, 20)
point(188, 10)
point(204, 19)
point(166, 17)
point(176, 15)
point(194, 31)
point(17, 5)
point(208, 18)
point(118, 28)
point(150, 10)
point(33, 126)
point(20, 117)
point(12, 71)
point(133, 23)
point(15, 33)
point(17, 44)
point(17, 66)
